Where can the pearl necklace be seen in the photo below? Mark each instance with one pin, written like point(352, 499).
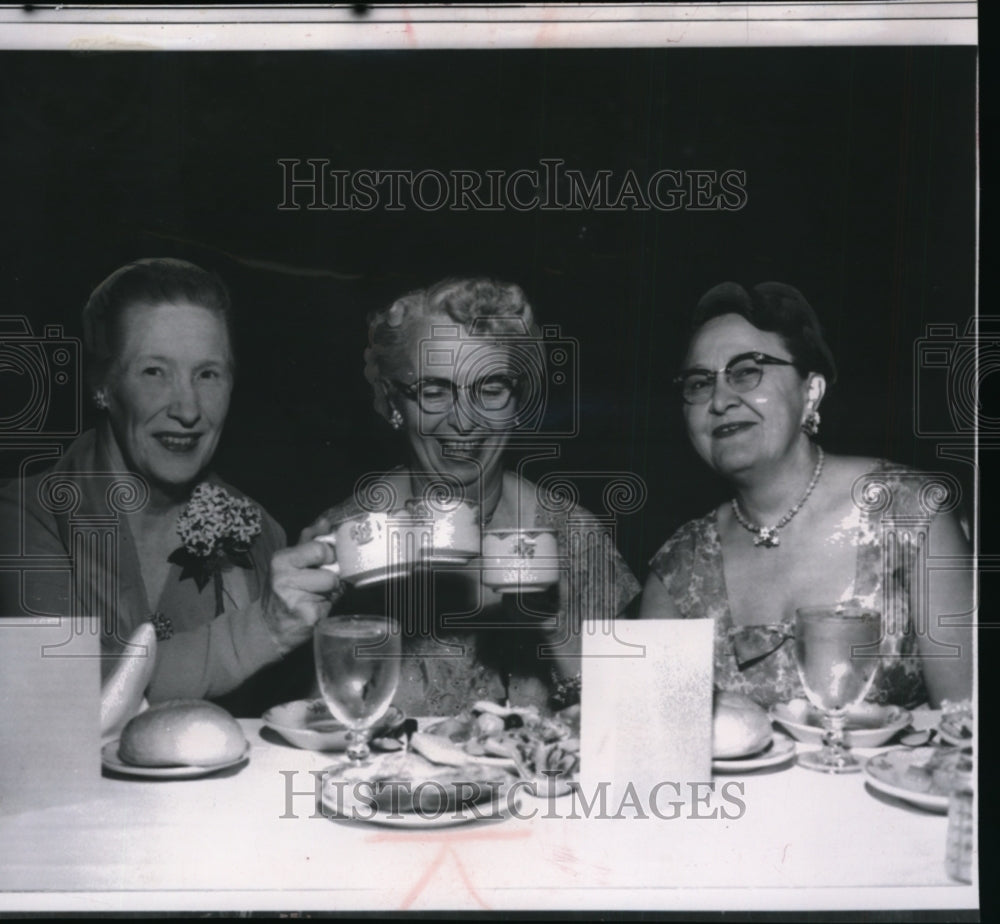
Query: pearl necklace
point(767, 536)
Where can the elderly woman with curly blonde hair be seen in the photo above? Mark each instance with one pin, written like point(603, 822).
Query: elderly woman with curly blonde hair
point(449, 372)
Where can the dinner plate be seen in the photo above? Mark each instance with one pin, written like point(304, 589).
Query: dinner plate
point(496, 810)
point(868, 725)
point(781, 749)
point(307, 724)
point(111, 761)
point(348, 792)
point(898, 773)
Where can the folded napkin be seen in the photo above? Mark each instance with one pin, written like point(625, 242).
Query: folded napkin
point(122, 694)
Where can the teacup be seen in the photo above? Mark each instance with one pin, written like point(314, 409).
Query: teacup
point(372, 547)
point(520, 560)
point(445, 532)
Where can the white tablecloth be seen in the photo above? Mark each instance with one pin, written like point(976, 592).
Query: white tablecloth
point(250, 838)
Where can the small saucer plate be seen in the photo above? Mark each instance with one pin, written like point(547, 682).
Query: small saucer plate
point(867, 726)
point(780, 750)
point(307, 724)
point(111, 761)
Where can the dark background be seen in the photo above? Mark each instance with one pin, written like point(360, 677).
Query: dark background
point(860, 170)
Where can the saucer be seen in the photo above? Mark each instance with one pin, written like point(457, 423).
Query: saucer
point(111, 761)
point(867, 726)
point(307, 724)
point(780, 749)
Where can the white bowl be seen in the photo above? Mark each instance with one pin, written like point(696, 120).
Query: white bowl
point(307, 724)
point(868, 725)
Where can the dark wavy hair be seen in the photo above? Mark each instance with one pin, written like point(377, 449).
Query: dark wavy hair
point(146, 283)
point(777, 308)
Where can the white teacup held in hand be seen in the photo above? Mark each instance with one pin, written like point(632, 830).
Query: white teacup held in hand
point(379, 546)
point(520, 560)
point(447, 533)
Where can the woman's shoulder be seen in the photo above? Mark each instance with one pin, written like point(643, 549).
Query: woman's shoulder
point(689, 564)
point(879, 485)
point(698, 536)
point(694, 532)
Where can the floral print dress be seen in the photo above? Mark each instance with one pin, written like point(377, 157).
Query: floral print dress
point(895, 507)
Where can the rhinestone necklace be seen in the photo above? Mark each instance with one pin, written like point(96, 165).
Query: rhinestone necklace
point(767, 536)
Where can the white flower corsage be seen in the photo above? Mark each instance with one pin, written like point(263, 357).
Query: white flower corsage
point(216, 528)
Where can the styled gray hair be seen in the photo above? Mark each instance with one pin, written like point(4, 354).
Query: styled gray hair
point(482, 306)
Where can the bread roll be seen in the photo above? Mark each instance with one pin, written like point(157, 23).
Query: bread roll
point(739, 727)
point(181, 732)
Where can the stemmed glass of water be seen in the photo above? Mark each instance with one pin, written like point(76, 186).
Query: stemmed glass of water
point(357, 665)
point(837, 654)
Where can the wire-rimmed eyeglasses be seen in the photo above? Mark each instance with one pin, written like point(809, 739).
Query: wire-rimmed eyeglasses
point(489, 394)
point(742, 373)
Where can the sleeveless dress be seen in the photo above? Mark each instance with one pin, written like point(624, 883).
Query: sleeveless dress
point(895, 507)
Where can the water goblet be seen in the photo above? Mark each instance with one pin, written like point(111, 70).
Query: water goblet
point(357, 666)
point(836, 651)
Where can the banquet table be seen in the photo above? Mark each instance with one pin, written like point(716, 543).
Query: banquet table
point(251, 838)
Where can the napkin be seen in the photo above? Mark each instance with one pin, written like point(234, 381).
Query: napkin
point(123, 692)
point(646, 706)
point(50, 683)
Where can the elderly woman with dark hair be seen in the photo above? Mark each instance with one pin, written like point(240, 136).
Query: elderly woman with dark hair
point(803, 527)
point(450, 370)
point(193, 555)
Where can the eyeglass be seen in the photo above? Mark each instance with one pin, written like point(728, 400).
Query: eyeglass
point(435, 396)
point(743, 373)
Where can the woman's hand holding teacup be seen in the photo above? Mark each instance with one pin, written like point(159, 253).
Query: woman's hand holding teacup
point(301, 591)
point(321, 527)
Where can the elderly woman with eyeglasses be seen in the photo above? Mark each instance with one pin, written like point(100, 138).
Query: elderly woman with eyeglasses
point(452, 368)
point(803, 527)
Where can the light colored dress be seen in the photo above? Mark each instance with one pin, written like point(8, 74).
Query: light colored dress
point(83, 497)
point(449, 662)
point(895, 507)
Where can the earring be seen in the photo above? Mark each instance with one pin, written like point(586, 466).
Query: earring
point(810, 426)
point(395, 419)
point(100, 400)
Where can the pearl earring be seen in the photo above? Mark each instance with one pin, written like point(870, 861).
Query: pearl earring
point(810, 426)
point(101, 400)
point(395, 419)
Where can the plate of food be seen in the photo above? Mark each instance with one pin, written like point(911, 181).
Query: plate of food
point(307, 724)
point(177, 739)
point(405, 789)
point(921, 776)
point(471, 767)
point(868, 725)
point(543, 749)
point(956, 726)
